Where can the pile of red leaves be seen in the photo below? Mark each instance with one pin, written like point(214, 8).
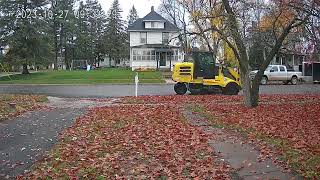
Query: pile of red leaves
point(132, 141)
point(13, 105)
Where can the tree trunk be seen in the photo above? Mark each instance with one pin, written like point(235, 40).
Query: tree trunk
point(246, 86)
point(25, 69)
point(250, 89)
point(255, 93)
point(66, 58)
point(55, 45)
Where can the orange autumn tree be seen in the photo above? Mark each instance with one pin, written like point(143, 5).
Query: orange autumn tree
point(206, 16)
point(219, 21)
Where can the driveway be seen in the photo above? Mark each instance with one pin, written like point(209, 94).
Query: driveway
point(25, 139)
point(103, 91)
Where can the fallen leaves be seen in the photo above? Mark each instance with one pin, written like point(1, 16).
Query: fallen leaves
point(14, 105)
point(288, 125)
point(147, 137)
point(129, 141)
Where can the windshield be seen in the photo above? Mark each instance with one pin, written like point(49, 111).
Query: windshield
point(188, 59)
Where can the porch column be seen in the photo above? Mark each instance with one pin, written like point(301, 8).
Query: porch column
point(170, 60)
point(157, 59)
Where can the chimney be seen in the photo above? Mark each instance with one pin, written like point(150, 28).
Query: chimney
point(152, 8)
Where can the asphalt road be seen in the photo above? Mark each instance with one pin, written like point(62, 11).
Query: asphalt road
point(129, 90)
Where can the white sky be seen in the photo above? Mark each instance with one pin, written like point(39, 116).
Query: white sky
point(143, 6)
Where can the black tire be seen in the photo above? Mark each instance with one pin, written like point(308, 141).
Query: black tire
point(294, 80)
point(180, 88)
point(264, 80)
point(231, 89)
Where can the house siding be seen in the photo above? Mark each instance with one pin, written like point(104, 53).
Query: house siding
point(152, 38)
point(135, 39)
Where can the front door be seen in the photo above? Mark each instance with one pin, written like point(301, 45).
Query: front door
point(163, 59)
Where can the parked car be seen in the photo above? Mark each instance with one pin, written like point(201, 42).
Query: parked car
point(279, 73)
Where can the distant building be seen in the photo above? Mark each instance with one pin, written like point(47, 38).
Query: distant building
point(105, 62)
point(153, 43)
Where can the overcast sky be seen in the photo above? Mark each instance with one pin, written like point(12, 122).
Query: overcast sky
point(143, 6)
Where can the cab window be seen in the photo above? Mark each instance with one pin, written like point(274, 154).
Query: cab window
point(282, 69)
point(274, 69)
point(189, 59)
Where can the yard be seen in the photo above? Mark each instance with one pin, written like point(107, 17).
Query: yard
point(12, 105)
point(149, 137)
point(102, 76)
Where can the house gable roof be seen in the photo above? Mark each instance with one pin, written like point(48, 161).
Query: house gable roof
point(138, 25)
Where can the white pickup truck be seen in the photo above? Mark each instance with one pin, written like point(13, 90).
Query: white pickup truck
point(279, 73)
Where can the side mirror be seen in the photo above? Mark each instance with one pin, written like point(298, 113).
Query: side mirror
point(271, 70)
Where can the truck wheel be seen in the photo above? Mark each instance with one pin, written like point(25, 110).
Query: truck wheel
point(231, 89)
point(264, 80)
point(294, 80)
point(180, 88)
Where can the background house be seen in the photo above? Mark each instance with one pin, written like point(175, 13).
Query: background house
point(154, 43)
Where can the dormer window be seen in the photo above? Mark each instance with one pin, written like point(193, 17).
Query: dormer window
point(154, 24)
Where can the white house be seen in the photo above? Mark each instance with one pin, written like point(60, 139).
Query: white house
point(154, 43)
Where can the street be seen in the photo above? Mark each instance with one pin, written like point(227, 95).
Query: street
point(102, 91)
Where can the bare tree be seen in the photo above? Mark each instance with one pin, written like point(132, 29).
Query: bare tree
point(175, 13)
point(312, 35)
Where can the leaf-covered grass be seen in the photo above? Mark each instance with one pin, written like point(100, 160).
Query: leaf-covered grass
point(101, 76)
point(11, 105)
point(132, 142)
point(291, 129)
point(148, 137)
point(289, 124)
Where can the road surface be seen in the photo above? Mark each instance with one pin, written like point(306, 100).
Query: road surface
point(102, 91)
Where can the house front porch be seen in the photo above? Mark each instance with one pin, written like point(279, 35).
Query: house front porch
point(154, 57)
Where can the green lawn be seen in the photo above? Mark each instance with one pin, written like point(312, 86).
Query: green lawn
point(108, 75)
